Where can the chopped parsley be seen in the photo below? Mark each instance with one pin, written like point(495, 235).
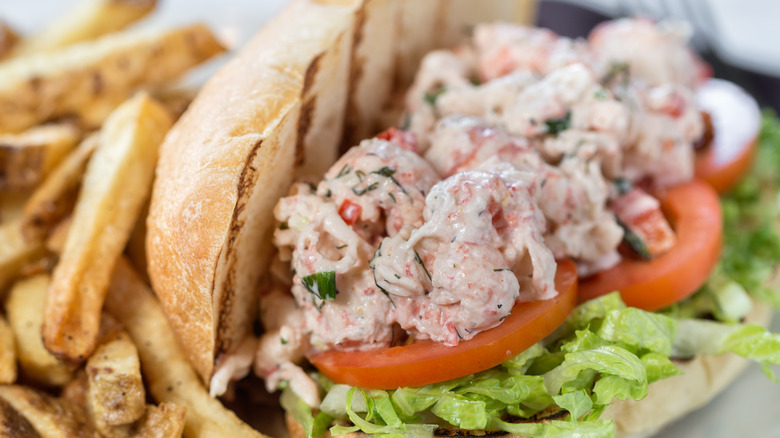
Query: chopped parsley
point(432, 96)
point(555, 126)
point(634, 241)
point(623, 185)
point(321, 284)
point(617, 69)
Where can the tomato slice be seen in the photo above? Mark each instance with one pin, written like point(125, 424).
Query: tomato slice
point(426, 362)
point(736, 122)
point(694, 210)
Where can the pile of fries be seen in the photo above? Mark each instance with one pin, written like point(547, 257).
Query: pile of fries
point(84, 106)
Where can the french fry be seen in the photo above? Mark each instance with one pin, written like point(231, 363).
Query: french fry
point(55, 243)
point(14, 424)
point(12, 205)
point(163, 421)
point(27, 157)
point(116, 393)
point(116, 184)
point(8, 40)
point(53, 199)
point(7, 353)
point(15, 251)
point(90, 19)
point(25, 306)
point(49, 416)
point(91, 77)
point(170, 378)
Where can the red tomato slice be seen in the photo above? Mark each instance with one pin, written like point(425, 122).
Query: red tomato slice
point(694, 210)
point(426, 362)
point(736, 122)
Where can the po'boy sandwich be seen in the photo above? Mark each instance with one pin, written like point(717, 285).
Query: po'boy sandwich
point(432, 276)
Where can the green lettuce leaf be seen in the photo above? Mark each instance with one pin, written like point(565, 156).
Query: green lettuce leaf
point(750, 341)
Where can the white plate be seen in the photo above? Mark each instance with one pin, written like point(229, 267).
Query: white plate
point(748, 408)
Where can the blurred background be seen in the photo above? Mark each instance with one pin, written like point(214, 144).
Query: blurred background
point(740, 39)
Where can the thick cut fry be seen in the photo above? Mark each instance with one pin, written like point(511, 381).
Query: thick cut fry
point(164, 421)
point(59, 234)
point(7, 353)
point(8, 40)
point(27, 157)
point(49, 416)
point(90, 78)
point(15, 251)
point(116, 184)
point(14, 424)
point(24, 306)
point(12, 205)
point(88, 20)
point(169, 376)
point(116, 393)
point(53, 199)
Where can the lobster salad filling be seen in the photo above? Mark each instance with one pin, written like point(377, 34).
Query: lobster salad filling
point(517, 151)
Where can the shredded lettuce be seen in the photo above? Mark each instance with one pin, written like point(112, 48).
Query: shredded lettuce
point(751, 247)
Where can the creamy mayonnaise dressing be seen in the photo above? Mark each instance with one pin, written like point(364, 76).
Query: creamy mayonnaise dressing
point(517, 149)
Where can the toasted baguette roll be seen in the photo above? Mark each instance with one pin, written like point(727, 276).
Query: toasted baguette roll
point(280, 108)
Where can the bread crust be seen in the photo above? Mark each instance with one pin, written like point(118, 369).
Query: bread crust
point(226, 162)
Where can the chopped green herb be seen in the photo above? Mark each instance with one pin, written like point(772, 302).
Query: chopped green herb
point(284, 341)
point(360, 174)
point(555, 126)
point(475, 81)
point(341, 246)
point(385, 171)
point(344, 170)
point(361, 192)
point(634, 242)
point(393, 198)
point(432, 96)
point(283, 226)
point(419, 260)
point(321, 284)
point(407, 122)
point(601, 94)
point(502, 269)
point(623, 185)
point(372, 265)
point(617, 69)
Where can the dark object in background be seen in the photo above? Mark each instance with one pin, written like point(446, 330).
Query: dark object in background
point(574, 21)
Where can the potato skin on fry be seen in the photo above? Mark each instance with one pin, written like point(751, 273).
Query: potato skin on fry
point(25, 307)
point(116, 393)
point(91, 78)
point(169, 377)
point(115, 187)
point(49, 416)
point(13, 424)
point(54, 198)
point(26, 158)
